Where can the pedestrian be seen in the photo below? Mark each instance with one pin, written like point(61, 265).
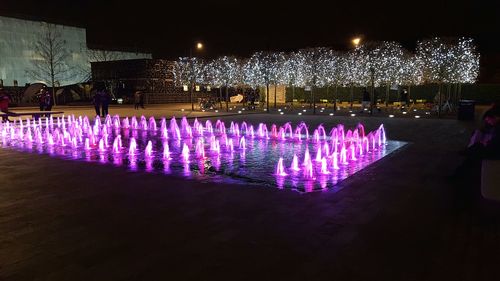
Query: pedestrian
point(4, 103)
point(105, 100)
point(48, 101)
point(96, 100)
point(137, 99)
point(41, 98)
point(141, 100)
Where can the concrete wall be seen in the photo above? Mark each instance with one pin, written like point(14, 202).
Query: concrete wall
point(17, 40)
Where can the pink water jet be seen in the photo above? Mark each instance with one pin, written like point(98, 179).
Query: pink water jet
point(133, 123)
point(200, 149)
point(229, 145)
point(326, 149)
point(74, 142)
point(148, 152)
point(152, 123)
point(214, 145)
point(101, 145)
point(117, 144)
point(318, 154)
point(316, 136)
point(132, 147)
point(295, 163)
point(343, 155)
point(144, 124)
point(86, 146)
point(324, 167)
point(335, 163)
point(308, 172)
point(280, 168)
point(208, 127)
point(307, 157)
point(185, 153)
point(164, 133)
point(163, 124)
point(252, 133)
point(242, 143)
point(166, 151)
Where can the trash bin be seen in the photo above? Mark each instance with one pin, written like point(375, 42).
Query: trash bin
point(466, 109)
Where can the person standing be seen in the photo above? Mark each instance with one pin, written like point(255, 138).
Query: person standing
point(4, 103)
point(137, 99)
point(141, 100)
point(97, 103)
point(41, 98)
point(105, 99)
point(48, 101)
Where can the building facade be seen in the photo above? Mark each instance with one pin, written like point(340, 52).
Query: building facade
point(19, 57)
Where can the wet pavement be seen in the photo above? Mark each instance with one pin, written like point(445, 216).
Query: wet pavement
point(395, 220)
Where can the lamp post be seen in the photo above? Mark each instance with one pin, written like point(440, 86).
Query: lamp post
point(356, 41)
point(199, 46)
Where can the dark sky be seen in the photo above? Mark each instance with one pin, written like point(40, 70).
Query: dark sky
point(240, 27)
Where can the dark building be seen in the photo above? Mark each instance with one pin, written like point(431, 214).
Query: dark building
point(155, 78)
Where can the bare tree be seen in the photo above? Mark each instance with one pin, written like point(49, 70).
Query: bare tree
point(49, 60)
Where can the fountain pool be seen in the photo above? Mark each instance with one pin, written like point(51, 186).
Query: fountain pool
point(286, 157)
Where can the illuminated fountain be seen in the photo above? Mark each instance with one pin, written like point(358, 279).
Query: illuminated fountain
point(267, 154)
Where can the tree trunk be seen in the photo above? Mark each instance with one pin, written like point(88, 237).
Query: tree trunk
point(313, 99)
point(327, 88)
point(439, 99)
point(335, 94)
point(352, 95)
point(267, 97)
point(293, 94)
point(227, 99)
point(310, 99)
point(459, 94)
point(409, 93)
point(387, 93)
point(275, 91)
point(220, 98)
point(191, 96)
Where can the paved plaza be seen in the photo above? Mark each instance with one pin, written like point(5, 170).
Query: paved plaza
point(395, 220)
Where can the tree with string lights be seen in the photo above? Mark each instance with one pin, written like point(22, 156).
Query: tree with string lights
point(466, 64)
point(312, 69)
point(386, 60)
point(411, 71)
point(258, 71)
point(357, 69)
point(292, 73)
point(227, 73)
point(438, 59)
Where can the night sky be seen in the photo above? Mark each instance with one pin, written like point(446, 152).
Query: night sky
point(228, 27)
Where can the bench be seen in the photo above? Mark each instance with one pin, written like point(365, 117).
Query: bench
point(490, 179)
point(34, 114)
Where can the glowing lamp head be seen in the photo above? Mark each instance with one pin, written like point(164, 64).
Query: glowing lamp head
point(356, 41)
point(199, 46)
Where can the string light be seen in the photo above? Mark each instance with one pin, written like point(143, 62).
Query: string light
point(387, 63)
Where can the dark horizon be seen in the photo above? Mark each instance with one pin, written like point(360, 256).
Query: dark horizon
point(240, 29)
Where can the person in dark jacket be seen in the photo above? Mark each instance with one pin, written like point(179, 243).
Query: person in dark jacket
point(4, 103)
point(41, 98)
point(483, 145)
point(96, 100)
point(105, 100)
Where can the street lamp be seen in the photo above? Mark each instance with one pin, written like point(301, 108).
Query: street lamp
point(356, 41)
point(199, 47)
